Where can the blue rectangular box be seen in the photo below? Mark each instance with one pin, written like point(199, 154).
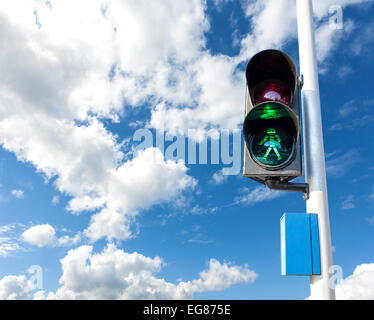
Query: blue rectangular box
point(300, 253)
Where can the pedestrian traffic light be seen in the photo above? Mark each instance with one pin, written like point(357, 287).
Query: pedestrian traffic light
point(271, 129)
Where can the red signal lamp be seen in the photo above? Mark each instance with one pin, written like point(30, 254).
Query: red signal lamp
point(272, 90)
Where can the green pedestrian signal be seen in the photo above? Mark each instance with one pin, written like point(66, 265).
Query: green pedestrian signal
point(272, 150)
point(271, 126)
point(270, 134)
point(273, 141)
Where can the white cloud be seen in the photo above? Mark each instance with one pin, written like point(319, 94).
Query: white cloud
point(352, 115)
point(348, 203)
point(8, 241)
point(40, 235)
point(216, 98)
point(111, 56)
point(220, 3)
point(328, 38)
point(348, 108)
point(80, 156)
point(98, 61)
point(7, 227)
point(18, 193)
point(344, 71)
point(339, 165)
point(115, 274)
point(274, 23)
point(66, 240)
point(55, 200)
point(353, 123)
point(115, 53)
point(7, 245)
point(45, 235)
point(86, 161)
point(321, 8)
point(214, 83)
point(370, 220)
point(259, 194)
point(218, 177)
point(109, 224)
point(364, 40)
point(221, 276)
point(15, 288)
point(359, 285)
point(138, 184)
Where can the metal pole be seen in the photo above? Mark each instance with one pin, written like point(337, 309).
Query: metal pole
point(320, 286)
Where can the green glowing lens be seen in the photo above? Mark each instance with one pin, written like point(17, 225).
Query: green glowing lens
point(269, 111)
point(271, 134)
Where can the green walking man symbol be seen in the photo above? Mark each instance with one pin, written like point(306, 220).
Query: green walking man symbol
point(272, 141)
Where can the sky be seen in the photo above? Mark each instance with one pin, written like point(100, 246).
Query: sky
point(101, 103)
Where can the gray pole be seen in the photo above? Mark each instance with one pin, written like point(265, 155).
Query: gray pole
point(320, 286)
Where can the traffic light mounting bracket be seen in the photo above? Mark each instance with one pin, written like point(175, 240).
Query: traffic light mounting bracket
point(301, 81)
point(276, 184)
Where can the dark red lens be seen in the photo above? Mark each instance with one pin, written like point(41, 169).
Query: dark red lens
point(272, 90)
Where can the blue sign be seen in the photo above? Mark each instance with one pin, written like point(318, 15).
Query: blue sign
point(300, 255)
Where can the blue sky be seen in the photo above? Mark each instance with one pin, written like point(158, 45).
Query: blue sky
point(103, 221)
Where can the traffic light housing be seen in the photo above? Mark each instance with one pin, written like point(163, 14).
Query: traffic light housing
point(271, 129)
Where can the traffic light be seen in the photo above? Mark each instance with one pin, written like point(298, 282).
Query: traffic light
point(272, 151)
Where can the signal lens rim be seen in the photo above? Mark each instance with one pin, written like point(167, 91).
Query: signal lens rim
point(248, 133)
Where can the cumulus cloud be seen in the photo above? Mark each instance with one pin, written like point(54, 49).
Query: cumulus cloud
point(273, 23)
point(15, 288)
point(216, 101)
point(138, 184)
point(220, 276)
point(45, 235)
point(40, 235)
point(116, 274)
point(359, 285)
point(96, 59)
